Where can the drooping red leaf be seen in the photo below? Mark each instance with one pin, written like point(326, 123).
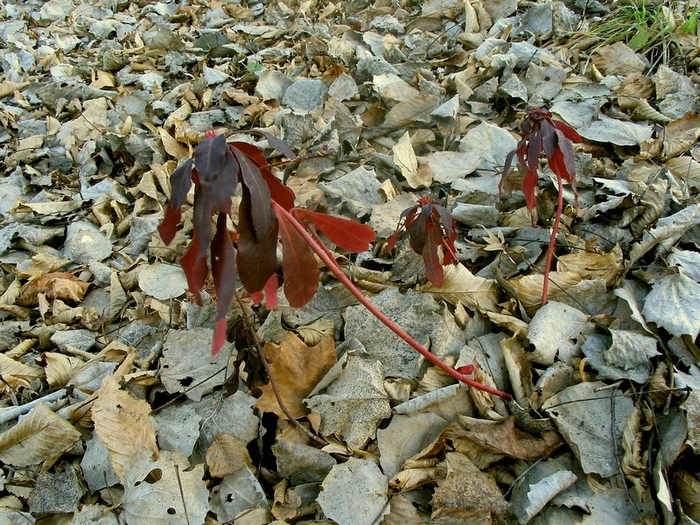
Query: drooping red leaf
point(529, 185)
point(257, 257)
point(281, 194)
point(431, 259)
point(263, 221)
point(569, 132)
point(168, 228)
point(219, 338)
point(180, 183)
point(223, 270)
point(298, 266)
point(566, 150)
point(201, 219)
point(270, 292)
point(194, 264)
point(346, 233)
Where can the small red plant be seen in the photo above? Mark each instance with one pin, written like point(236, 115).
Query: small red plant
point(216, 170)
point(265, 213)
point(429, 225)
point(543, 134)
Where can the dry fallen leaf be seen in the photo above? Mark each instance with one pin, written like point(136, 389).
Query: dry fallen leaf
point(39, 437)
point(123, 425)
point(296, 369)
point(226, 455)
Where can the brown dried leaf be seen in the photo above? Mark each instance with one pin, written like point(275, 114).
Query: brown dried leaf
point(226, 455)
point(15, 374)
point(58, 285)
point(295, 369)
point(505, 438)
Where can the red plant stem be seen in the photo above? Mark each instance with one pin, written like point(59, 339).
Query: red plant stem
point(322, 251)
point(552, 240)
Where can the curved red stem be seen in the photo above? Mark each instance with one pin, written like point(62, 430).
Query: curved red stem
point(552, 240)
point(322, 251)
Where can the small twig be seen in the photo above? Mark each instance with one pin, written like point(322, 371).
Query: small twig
point(322, 251)
point(182, 493)
point(15, 412)
point(270, 375)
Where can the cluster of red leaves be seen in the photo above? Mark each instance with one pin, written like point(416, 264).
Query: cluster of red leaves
point(541, 133)
point(555, 139)
point(217, 169)
point(429, 225)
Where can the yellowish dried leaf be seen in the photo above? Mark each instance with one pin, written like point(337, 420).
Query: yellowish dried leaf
point(60, 368)
point(172, 146)
point(16, 374)
point(590, 265)
point(460, 286)
point(39, 437)
point(122, 424)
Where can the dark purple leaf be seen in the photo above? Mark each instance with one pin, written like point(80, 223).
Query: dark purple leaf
point(180, 183)
point(263, 220)
point(257, 257)
point(223, 270)
point(209, 157)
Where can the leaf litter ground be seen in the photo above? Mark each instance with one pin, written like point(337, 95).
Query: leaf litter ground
point(115, 411)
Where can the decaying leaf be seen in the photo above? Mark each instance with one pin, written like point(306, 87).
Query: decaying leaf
point(557, 329)
point(163, 490)
point(354, 404)
point(674, 304)
point(354, 493)
point(592, 423)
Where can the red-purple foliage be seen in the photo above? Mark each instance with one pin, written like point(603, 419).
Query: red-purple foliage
point(541, 133)
point(217, 169)
point(429, 225)
point(554, 138)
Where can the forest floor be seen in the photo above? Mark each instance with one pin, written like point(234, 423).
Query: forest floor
point(113, 408)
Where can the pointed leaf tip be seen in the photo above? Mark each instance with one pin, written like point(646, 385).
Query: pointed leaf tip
point(345, 233)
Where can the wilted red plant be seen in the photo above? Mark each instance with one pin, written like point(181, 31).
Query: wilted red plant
point(429, 225)
point(266, 211)
point(543, 134)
